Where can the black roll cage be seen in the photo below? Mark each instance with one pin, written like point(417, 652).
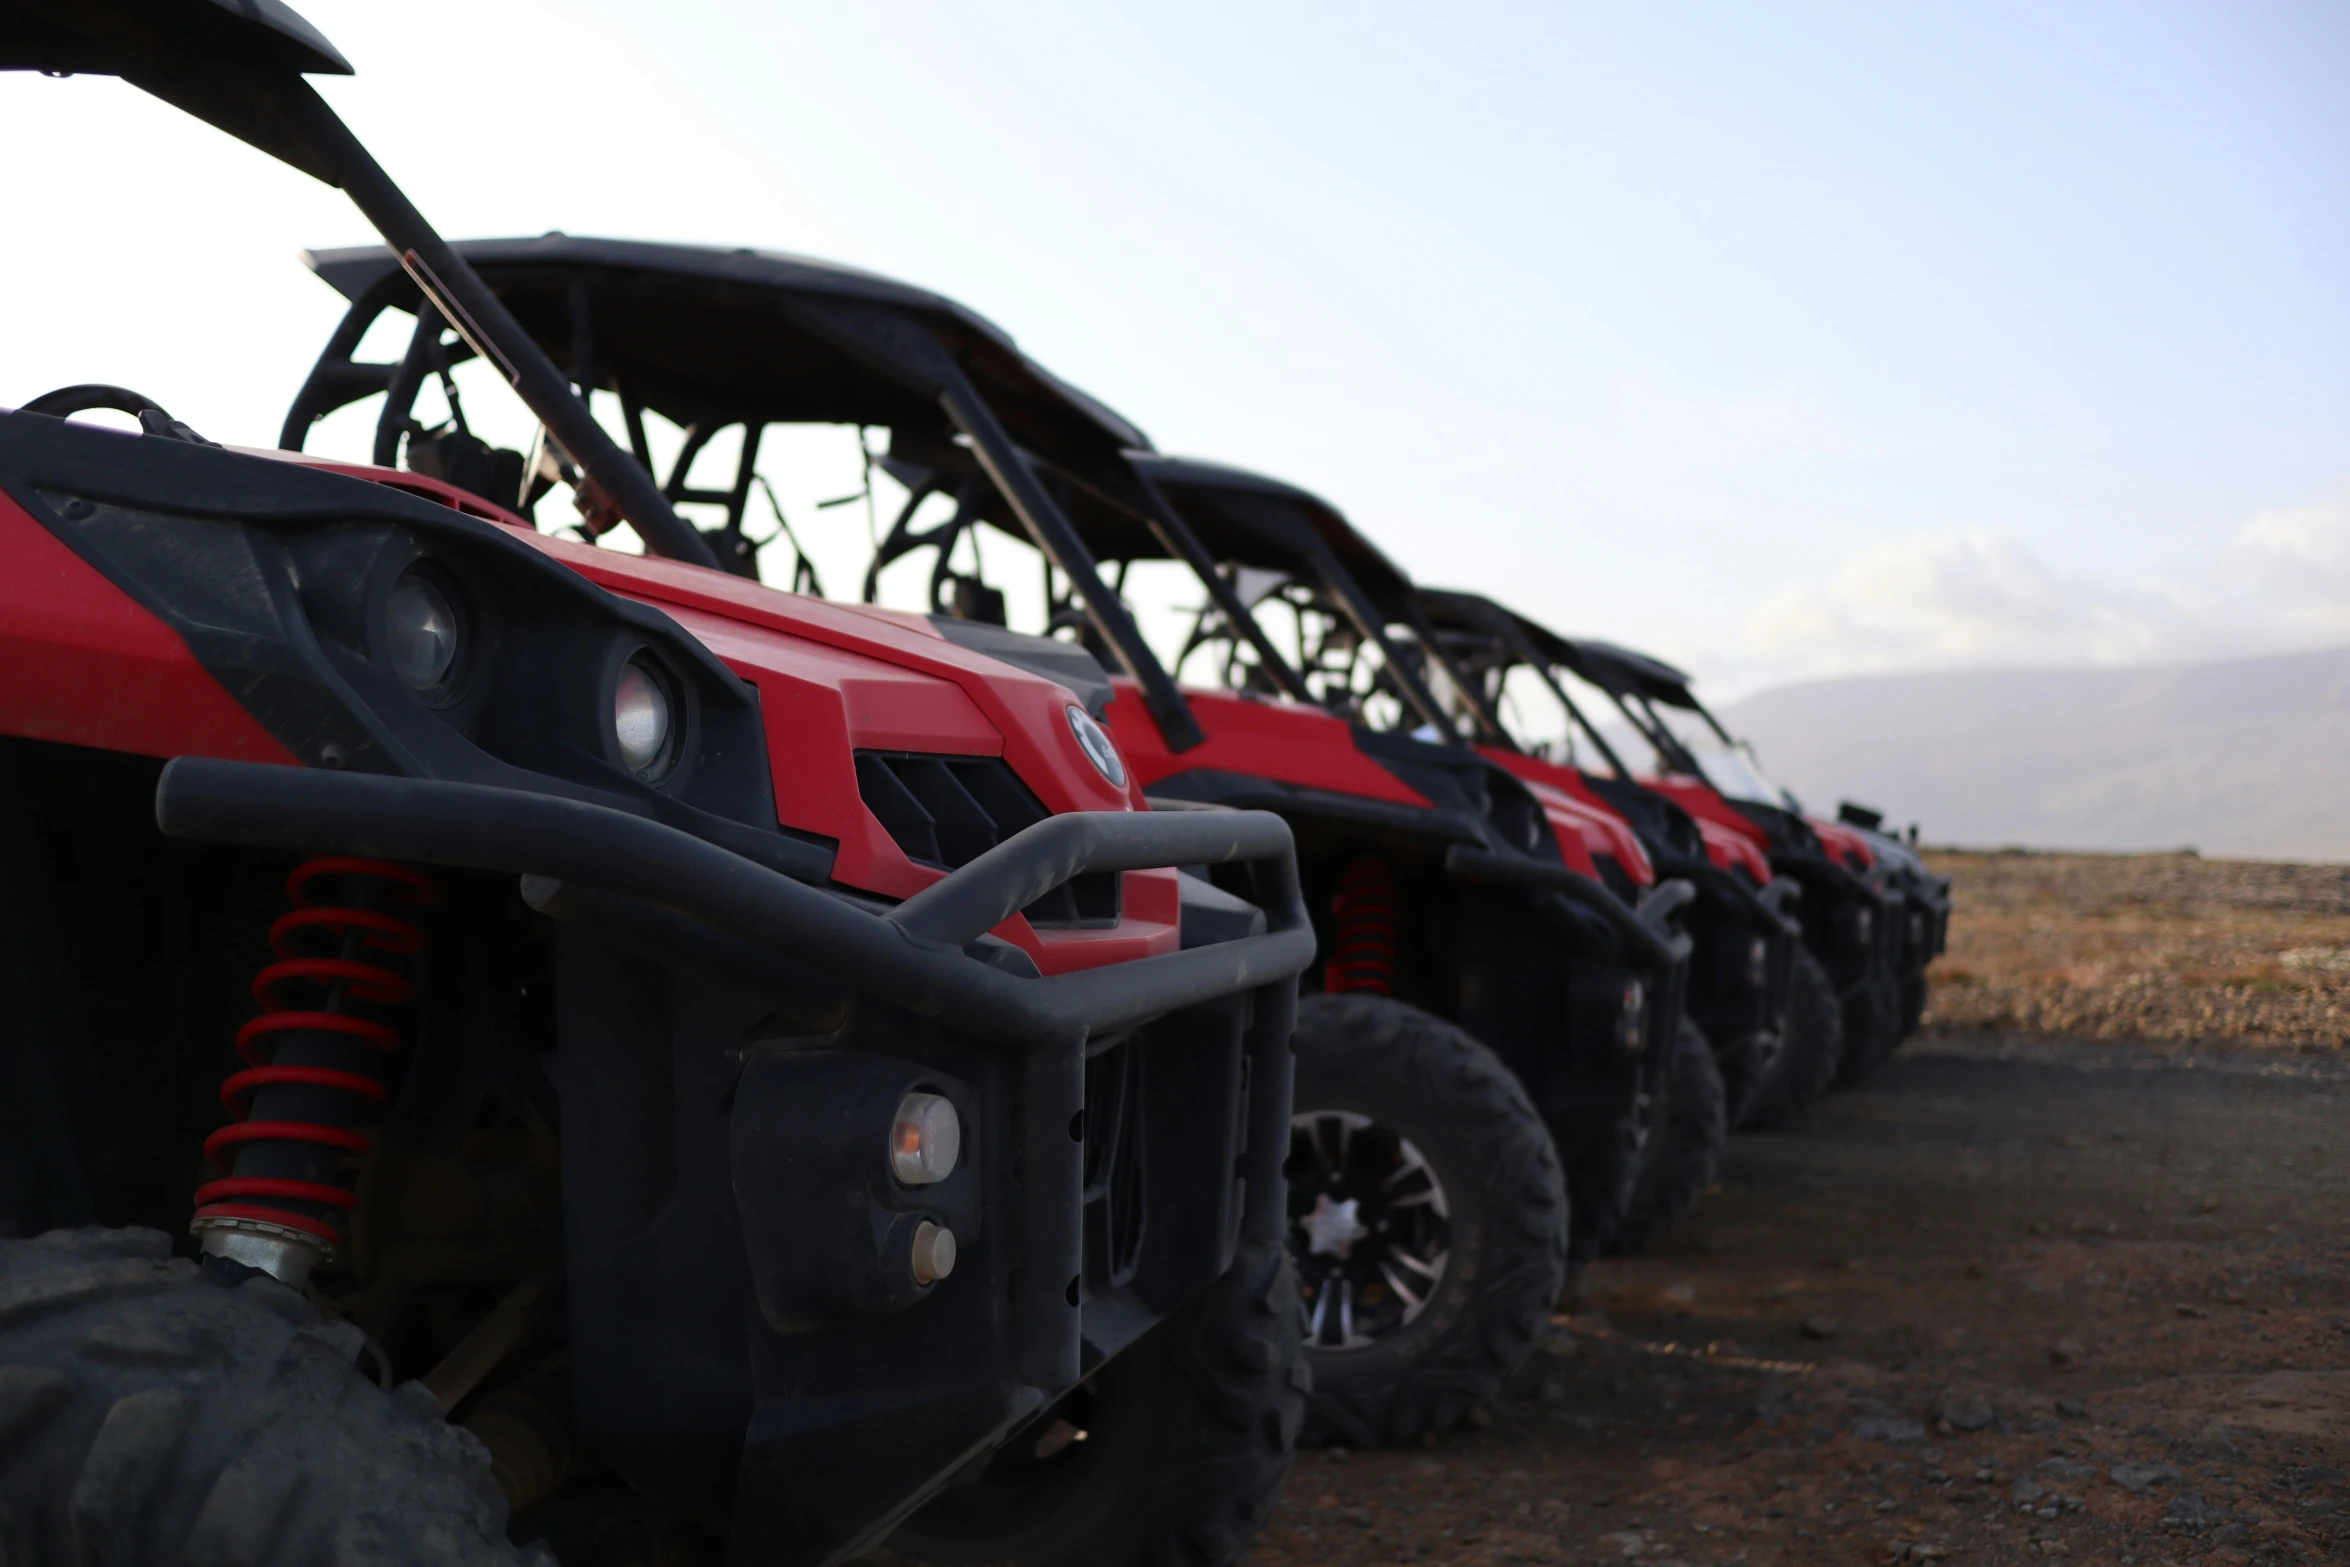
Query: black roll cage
point(1056, 467)
point(1138, 510)
point(1491, 625)
point(1635, 682)
point(1296, 537)
point(242, 68)
point(847, 348)
point(1631, 678)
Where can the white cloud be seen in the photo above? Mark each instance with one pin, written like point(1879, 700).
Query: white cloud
point(2295, 565)
point(1980, 597)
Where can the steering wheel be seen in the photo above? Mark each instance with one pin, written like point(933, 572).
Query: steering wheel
point(69, 400)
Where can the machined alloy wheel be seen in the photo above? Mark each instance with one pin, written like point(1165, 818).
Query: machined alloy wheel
point(1373, 1228)
point(1428, 1219)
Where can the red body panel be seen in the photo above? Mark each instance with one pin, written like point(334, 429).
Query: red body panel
point(1582, 838)
point(1732, 842)
point(1271, 737)
point(1603, 830)
point(1733, 850)
point(1702, 801)
point(1258, 737)
point(1722, 822)
point(83, 663)
point(1846, 847)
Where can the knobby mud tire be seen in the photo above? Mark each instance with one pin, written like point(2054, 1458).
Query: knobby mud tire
point(1684, 1145)
point(1471, 1119)
point(1808, 1060)
point(1913, 1001)
point(1215, 1396)
point(152, 1415)
point(1872, 1025)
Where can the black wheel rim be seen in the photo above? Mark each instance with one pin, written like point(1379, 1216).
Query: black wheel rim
point(1370, 1227)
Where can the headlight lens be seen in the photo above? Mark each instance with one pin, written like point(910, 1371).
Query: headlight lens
point(643, 717)
point(420, 632)
point(1097, 745)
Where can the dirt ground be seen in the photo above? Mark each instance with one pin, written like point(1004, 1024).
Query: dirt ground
point(2027, 1295)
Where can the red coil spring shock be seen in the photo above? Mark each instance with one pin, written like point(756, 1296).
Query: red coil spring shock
point(311, 1072)
point(1363, 929)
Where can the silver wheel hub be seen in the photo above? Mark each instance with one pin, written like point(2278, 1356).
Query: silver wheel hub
point(1370, 1228)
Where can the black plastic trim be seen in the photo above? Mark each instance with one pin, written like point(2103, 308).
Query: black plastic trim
point(1646, 931)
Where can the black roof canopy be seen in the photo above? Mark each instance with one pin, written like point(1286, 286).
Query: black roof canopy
point(241, 65)
point(237, 64)
point(1243, 518)
point(707, 334)
point(1625, 672)
point(1616, 670)
point(711, 336)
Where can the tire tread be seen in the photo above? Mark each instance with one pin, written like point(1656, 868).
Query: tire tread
point(185, 1419)
point(1808, 1062)
point(1481, 1105)
point(1684, 1149)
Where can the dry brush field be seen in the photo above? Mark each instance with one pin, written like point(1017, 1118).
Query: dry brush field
point(2169, 949)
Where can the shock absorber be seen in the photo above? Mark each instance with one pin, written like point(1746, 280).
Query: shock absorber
point(1363, 923)
point(313, 1065)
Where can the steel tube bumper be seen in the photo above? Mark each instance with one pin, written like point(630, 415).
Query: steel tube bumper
point(1763, 905)
point(746, 915)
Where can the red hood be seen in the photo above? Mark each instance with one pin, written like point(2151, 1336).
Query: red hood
point(1602, 831)
point(1268, 737)
point(1846, 847)
point(836, 679)
point(1702, 801)
point(1734, 850)
point(1300, 744)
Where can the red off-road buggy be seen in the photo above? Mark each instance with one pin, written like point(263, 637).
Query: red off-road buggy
point(1466, 921)
point(1873, 914)
point(514, 1042)
point(1764, 1001)
point(1424, 1143)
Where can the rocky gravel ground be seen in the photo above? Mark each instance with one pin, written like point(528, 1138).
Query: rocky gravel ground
point(2027, 1296)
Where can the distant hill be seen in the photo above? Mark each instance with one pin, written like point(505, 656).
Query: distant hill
point(2250, 757)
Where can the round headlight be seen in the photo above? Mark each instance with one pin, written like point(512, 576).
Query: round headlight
point(420, 632)
point(643, 717)
point(1097, 745)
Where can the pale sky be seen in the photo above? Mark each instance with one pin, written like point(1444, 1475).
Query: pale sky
point(1784, 340)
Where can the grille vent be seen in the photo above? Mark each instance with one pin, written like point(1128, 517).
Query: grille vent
point(1113, 1167)
point(946, 811)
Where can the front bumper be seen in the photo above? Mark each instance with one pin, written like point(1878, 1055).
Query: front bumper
point(1740, 1003)
point(1602, 1080)
point(744, 1342)
point(1852, 923)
